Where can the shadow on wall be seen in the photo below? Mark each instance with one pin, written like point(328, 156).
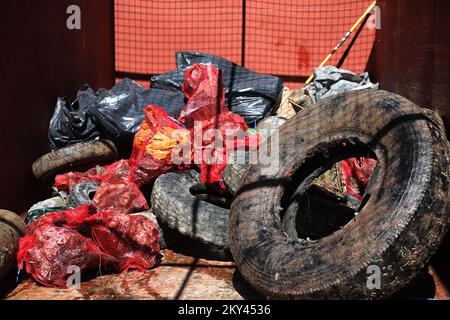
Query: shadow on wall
point(41, 59)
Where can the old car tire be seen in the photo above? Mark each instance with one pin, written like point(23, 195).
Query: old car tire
point(175, 206)
point(82, 193)
point(11, 229)
point(403, 220)
point(76, 157)
point(232, 176)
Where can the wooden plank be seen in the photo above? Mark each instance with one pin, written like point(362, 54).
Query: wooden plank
point(178, 277)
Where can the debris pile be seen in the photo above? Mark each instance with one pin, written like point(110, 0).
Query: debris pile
point(102, 232)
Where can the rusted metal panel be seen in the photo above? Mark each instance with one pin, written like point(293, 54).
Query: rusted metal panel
point(411, 53)
point(40, 59)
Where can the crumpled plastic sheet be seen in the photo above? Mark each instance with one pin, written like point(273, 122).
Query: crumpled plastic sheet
point(249, 94)
point(330, 80)
point(60, 240)
point(120, 110)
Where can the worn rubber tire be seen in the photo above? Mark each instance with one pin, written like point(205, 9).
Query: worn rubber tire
point(11, 229)
point(76, 157)
point(80, 193)
point(232, 176)
point(399, 227)
point(175, 206)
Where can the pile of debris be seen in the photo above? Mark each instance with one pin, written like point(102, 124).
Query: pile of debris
point(137, 170)
point(91, 221)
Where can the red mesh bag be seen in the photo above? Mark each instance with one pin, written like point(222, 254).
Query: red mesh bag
point(154, 143)
point(66, 181)
point(118, 191)
point(132, 239)
point(204, 90)
point(232, 131)
point(206, 111)
point(52, 244)
point(357, 172)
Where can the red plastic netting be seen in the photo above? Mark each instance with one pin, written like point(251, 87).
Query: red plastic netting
point(87, 239)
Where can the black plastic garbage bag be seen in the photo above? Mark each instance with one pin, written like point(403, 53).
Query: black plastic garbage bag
point(120, 111)
point(171, 81)
point(114, 114)
point(69, 124)
point(249, 94)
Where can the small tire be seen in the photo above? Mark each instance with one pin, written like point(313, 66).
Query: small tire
point(77, 157)
point(11, 229)
point(175, 206)
point(402, 222)
point(82, 193)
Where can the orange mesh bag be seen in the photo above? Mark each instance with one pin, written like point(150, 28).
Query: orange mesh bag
point(155, 143)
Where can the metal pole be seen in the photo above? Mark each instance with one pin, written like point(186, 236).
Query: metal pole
point(244, 14)
point(346, 36)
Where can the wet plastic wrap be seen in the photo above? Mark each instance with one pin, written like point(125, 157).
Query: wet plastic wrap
point(249, 94)
point(114, 114)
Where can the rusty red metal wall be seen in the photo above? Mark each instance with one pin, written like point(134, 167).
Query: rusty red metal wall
point(282, 37)
point(41, 59)
point(412, 52)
